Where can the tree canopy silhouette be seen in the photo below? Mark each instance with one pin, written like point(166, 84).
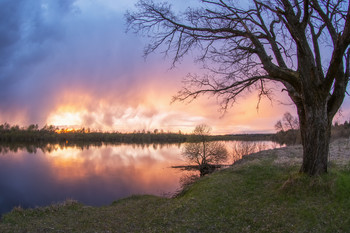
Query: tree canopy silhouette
point(301, 44)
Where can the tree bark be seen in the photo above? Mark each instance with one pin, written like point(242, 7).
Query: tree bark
point(315, 128)
point(240, 42)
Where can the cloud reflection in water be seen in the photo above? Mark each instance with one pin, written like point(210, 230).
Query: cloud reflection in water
point(95, 176)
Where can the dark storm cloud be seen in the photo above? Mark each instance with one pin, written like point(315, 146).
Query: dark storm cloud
point(59, 57)
point(25, 26)
point(27, 29)
point(9, 28)
point(48, 47)
point(62, 57)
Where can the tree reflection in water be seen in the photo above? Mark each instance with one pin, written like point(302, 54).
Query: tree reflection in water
point(36, 175)
point(94, 174)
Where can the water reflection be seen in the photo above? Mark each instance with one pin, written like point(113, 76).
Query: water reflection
point(48, 147)
point(37, 175)
point(94, 176)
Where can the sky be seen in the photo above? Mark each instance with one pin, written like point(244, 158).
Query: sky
point(72, 63)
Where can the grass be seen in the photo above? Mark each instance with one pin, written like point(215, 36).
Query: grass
point(254, 196)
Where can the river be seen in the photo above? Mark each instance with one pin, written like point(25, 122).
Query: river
point(92, 175)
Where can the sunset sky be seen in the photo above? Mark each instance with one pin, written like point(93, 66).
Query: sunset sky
point(71, 63)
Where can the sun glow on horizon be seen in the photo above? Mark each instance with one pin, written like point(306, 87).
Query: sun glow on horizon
point(65, 130)
point(65, 119)
point(84, 110)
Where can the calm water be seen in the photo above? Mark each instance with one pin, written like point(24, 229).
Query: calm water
point(94, 176)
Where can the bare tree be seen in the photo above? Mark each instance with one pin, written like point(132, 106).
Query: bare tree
point(278, 41)
point(203, 152)
point(288, 129)
point(242, 148)
point(279, 126)
point(290, 122)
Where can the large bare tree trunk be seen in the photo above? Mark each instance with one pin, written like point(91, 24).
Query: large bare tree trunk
point(315, 128)
point(241, 41)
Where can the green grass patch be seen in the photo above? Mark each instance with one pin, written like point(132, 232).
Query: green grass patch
point(249, 197)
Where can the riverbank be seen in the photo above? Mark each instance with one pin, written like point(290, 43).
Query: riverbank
point(261, 193)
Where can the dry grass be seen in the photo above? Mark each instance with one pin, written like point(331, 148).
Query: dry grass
point(339, 154)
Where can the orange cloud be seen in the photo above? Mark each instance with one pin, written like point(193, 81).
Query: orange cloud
point(150, 110)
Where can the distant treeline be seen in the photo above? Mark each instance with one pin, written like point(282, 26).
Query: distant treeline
point(51, 134)
point(292, 136)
